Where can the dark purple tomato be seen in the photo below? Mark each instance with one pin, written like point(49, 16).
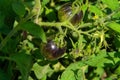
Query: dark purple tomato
point(66, 11)
point(51, 51)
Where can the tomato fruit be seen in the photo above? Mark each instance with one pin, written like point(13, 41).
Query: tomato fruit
point(66, 11)
point(51, 51)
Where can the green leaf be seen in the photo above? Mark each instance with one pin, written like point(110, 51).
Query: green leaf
point(72, 70)
point(84, 8)
point(75, 66)
point(116, 42)
point(3, 27)
point(41, 71)
point(81, 73)
point(116, 15)
point(2, 18)
point(115, 56)
point(100, 60)
point(64, 0)
point(68, 75)
point(95, 10)
point(5, 7)
point(112, 4)
point(50, 14)
point(44, 2)
point(24, 63)
point(12, 42)
point(34, 29)
point(19, 8)
point(117, 71)
point(96, 78)
point(114, 26)
point(99, 71)
point(3, 75)
point(44, 78)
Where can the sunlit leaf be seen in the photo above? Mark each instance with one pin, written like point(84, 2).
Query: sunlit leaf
point(117, 71)
point(64, 0)
point(112, 4)
point(68, 75)
point(44, 2)
point(41, 71)
point(81, 72)
point(100, 60)
point(116, 15)
point(99, 71)
point(70, 72)
point(95, 10)
point(115, 56)
point(114, 26)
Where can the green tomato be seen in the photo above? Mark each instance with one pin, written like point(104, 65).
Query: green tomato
point(66, 11)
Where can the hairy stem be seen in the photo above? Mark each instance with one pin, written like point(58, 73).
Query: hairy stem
point(37, 9)
point(4, 41)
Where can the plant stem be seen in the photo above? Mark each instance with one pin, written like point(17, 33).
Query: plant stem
point(91, 30)
point(85, 25)
point(3, 58)
point(1, 37)
point(60, 29)
point(37, 9)
point(85, 33)
point(53, 24)
point(4, 41)
point(57, 24)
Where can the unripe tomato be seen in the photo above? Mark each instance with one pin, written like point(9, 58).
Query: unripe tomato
point(51, 51)
point(66, 11)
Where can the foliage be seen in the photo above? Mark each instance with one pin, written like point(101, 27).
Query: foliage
point(92, 46)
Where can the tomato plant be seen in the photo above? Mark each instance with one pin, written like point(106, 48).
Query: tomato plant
point(59, 39)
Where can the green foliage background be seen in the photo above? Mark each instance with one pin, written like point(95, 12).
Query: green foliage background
point(92, 46)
